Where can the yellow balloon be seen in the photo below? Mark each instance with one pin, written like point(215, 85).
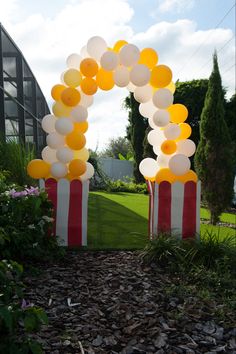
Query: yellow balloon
point(89, 86)
point(77, 167)
point(151, 179)
point(82, 154)
point(60, 110)
point(89, 67)
point(70, 97)
point(38, 169)
point(76, 140)
point(105, 80)
point(72, 77)
point(161, 76)
point(148, 57)
point(70, 177)
point(168, 147)
point(171, 87)
point(165, 174)
point(189, 176)
point(56, 91)
point(178, 113)
point(118, 45)
point(81, 126)
point(186, 131)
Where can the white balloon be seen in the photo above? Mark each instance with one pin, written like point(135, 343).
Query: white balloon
point(64, 154)
point(49, 155)
point(157, 149)
point(121, 76)
point(172, 131)
point(85, 100)
point(143, 94)
point(163, 160)
point(151, 123)
point(109, 60)
point(79, 113)
point(147, 109)
point(148, 167)
point(96, 46)
point(140, 75)
point(55, 140)
point(186, 147)
point(179, 164)
point(84, 53)
point(161, 118)
point(156, 137)
point(131, 87)
point(58, 170)
point(48, 123)
point(129, 55)
point(163, 98)
point(73, 61)
point(89, 172)
point(64, 126)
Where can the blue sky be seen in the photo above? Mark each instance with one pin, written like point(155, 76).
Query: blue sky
point(183, 32)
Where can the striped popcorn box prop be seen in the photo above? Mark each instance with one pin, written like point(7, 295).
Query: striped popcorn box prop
point(70, 201)
point(174, 208)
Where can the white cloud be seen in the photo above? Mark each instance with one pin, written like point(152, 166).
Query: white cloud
point(47, 41)
point(175, 5)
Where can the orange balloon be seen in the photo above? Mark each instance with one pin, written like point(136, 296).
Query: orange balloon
point(72, 77)
point(186, 131)
point(38, 169)
point(148, 57)
point(168, 147)
point(105, 80)
point(89, 86)
point(178, 113)
point(165, 174)
point(70, 177)
point(60, 110)
point(56, 91)
point(161, 76)
point(81, 126)
point(76, 140)
point(151, 179)
point(77, 167)
point(118, 45)
point(189, 176)
point(89, 67)
point(70, 96)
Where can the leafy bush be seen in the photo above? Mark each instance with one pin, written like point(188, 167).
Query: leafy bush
point(14, 158)
point(17, 318)
point(130, 187)
point(25, 225)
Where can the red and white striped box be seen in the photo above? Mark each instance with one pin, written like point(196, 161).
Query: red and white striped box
point(70, 201)
point(174, 208)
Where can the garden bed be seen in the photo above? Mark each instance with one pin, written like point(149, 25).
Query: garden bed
point(109, 302)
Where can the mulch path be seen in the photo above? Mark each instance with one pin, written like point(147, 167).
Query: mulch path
point(109, 302)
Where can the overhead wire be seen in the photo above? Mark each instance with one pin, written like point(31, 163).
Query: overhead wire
point(198, 48)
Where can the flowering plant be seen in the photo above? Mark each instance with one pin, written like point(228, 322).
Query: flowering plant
point(25, 224)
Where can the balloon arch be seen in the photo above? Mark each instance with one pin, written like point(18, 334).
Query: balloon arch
point(100, 67)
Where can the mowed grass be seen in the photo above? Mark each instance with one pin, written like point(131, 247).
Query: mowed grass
point(120, 221)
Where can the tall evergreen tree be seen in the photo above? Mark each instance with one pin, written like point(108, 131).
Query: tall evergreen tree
point(136, 133)
point(214, 156)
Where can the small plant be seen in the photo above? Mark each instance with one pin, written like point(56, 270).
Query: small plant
point(17, 317)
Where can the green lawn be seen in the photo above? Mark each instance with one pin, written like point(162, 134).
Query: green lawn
point(120, 221)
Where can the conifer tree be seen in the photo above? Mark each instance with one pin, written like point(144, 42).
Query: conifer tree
point(214, 156)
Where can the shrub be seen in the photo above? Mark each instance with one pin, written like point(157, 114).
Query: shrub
point(25, 224)
point(130, 187)
point(17, 318)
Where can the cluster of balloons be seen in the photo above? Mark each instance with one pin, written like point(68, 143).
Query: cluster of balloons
point(100, 67)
